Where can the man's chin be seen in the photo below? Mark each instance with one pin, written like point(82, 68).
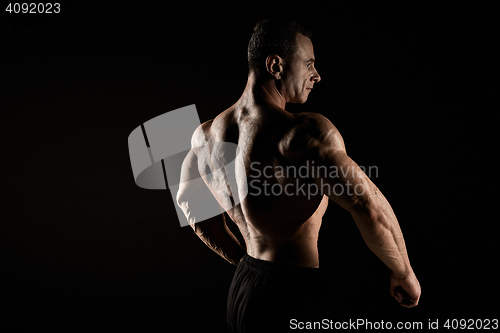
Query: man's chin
point(299, 101)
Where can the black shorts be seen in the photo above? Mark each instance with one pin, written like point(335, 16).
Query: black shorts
point(265, 296)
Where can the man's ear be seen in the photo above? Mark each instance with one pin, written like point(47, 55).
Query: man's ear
point(274, 65)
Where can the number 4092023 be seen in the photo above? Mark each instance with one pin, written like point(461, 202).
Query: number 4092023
point(33, 8)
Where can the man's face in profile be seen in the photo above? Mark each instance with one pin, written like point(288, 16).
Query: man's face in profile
point(300, 74)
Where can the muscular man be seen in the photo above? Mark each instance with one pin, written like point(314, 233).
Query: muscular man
point(277, 277)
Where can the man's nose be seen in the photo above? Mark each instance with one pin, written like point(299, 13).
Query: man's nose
point(316, 78)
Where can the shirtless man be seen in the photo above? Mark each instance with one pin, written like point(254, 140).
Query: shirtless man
point(277, 276)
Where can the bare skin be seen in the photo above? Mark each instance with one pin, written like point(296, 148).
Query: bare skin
point(284, 228)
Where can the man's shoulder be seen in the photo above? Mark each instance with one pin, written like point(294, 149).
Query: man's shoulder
point(201, 134)
point(220, 129)
point(315, 122)
point(315, 126)
point(313, 130)
point(210, 129)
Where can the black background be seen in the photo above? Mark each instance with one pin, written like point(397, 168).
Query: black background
point(84, 248)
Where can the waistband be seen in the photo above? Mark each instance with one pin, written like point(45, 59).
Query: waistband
point(277, 267)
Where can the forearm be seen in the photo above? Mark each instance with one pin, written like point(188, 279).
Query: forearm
point(381, 232)
point(217, 236)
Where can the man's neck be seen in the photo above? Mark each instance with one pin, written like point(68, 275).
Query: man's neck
point(260, 90)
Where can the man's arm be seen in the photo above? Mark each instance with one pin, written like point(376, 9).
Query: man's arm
point(194, 198)
point(215, 233)
point(371, 211)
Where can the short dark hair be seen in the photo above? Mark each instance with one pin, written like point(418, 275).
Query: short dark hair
point(274, 36)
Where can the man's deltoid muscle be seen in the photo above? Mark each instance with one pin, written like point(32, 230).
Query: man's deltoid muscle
point(280, 213)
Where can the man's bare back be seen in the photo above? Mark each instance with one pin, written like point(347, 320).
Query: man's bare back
point(279, 227)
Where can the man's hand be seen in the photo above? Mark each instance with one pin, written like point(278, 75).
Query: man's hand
point(406, 290)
